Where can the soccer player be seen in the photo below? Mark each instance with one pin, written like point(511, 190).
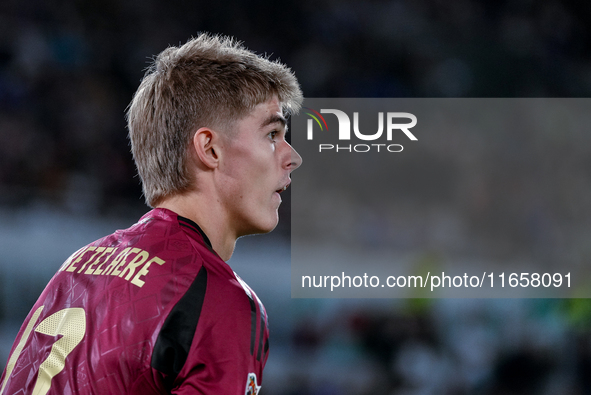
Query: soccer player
point(154, 309)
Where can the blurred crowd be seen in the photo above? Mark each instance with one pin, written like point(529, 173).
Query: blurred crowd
point(441, 347)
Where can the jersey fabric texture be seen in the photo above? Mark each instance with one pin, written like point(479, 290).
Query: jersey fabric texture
point(147, 310)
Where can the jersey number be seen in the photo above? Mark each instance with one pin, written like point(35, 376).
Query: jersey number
point(70, 324)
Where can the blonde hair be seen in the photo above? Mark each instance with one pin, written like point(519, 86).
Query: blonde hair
point(211, 81)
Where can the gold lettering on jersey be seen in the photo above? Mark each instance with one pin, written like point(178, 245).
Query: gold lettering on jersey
point(116, 271)
point(78, 258)
point(132, 264)
point(121, 256)
point(108, 252)
point(70, 323)
point(71, 258)
point(97, 251)
point(143, 271)
point(139, 259)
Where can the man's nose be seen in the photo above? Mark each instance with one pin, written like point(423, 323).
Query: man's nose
point(296, 159)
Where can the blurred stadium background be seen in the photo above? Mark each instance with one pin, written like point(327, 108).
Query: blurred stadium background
point(68, 69)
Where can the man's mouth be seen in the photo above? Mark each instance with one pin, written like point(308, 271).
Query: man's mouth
point(282, 189)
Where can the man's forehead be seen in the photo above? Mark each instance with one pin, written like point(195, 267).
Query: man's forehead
point(274, 118)
point(269, 112)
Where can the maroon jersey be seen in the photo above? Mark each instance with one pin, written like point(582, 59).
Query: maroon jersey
point(148, 310)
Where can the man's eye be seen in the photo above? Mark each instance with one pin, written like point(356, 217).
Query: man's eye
point(273, 134)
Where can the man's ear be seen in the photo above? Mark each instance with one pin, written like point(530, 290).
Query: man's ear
point(207, 146)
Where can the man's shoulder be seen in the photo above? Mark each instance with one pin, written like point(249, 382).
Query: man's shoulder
point(155, 247)
point(162, 232)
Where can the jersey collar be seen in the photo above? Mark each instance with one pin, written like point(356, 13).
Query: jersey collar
point(186, 222)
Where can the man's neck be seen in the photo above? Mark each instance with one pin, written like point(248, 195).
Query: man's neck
point(210, 218)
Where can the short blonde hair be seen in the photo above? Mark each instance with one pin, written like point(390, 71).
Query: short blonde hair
point(211, 81)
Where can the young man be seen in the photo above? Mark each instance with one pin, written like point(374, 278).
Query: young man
point(154, 309)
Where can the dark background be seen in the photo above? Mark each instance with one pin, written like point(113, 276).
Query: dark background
point(68, 70)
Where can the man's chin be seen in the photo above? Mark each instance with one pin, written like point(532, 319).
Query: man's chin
point(268, 229)
point(261, 228)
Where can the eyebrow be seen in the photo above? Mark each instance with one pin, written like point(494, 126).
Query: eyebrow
point(275, 118)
